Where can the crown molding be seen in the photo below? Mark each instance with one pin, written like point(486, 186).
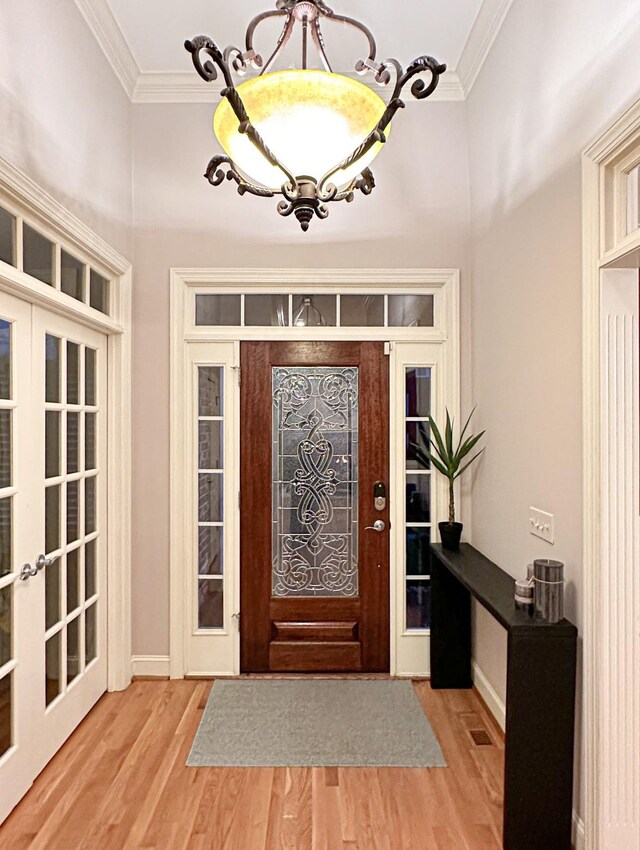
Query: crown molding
point(102, 23)
point(488, 23)
point(186, 87)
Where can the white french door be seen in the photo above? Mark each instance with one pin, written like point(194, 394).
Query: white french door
point(53, 386)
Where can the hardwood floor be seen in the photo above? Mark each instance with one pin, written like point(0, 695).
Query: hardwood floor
point(121, 783)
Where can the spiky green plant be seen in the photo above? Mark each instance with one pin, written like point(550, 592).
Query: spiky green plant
point(444, 457)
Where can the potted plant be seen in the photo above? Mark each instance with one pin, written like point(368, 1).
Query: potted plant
point(448, 460)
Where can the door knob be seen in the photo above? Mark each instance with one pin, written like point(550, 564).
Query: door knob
point(42, 561)
point(28, 572)
point(378, 526)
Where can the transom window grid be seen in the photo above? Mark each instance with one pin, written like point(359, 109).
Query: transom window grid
point(28, 248)
point(210, 498)
point(418, 485)
point(8, 491)
point(71, 516)
point(353, 308)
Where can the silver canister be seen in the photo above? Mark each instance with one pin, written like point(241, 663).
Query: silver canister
point(525, 596)
point(548, 577)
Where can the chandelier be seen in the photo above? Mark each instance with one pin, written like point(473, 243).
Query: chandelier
point(307, 135)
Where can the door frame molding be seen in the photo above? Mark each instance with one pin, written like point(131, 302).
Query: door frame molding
point(29, 202)
point(604, 243)
point(186, 282)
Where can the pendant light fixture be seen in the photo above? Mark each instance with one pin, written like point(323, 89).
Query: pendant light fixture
point(306, 134)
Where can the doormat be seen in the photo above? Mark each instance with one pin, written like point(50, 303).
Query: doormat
point(314, 723)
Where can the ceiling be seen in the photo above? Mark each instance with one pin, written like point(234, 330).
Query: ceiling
point(144, 39)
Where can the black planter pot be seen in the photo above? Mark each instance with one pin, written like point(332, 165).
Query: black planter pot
point(450, 534)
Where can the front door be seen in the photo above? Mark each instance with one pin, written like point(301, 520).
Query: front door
point(314, 512)
point(52, 536)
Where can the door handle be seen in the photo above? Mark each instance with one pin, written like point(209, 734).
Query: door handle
point(42, 561)
point(27, 572)
point(378, 526)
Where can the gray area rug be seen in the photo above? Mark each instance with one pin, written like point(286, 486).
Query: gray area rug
point(314, 723)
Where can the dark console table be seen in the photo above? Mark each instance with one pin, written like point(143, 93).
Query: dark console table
point(541, 686)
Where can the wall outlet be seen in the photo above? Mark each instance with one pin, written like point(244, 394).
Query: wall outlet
point(541, 524)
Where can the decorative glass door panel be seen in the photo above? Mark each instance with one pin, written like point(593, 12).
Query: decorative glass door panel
point(315, 482)
point(314, 547)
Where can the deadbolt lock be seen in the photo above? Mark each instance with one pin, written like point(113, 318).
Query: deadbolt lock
point(379, 496)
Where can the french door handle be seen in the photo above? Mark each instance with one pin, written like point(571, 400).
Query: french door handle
point(28, 572)
point(378, 526)
point(42, 561)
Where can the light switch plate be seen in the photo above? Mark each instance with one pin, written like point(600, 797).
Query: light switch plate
point(541, 524)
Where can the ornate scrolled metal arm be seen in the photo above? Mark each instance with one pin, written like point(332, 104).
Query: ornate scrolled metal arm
point(364, 183)
point(420, 90)
point(216, 174)
point(208, 70)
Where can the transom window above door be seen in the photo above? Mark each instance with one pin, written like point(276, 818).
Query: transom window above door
point(29, 249)
point(313, 310)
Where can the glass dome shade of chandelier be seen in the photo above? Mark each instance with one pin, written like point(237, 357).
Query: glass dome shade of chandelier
point(310, 120)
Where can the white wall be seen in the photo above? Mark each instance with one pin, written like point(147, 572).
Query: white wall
point(559, 72)
point(65, 119)
point(417, 217)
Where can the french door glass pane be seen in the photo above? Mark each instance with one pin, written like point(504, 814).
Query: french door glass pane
point(417, 442)
point(52, 444)
point(73, 649)
point(90, 441)
point(6, 549)
point(52, 518)
point(6, 713)
point(73, 373)
point(90, 377)
point(53, 684)
point(6, 626)
point(5, 359)
point(73, 511)
point(315, 481)
point(52, 369)
point(5, 448)
point(89, 505)
point(52, 594)
point(73, 580)
point(73, 424)
point(90, 569)
point(90, 651)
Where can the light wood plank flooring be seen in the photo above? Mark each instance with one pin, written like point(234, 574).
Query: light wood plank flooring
point(120, 783)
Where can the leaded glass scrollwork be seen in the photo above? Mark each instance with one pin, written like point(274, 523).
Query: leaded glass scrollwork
point(315, 482)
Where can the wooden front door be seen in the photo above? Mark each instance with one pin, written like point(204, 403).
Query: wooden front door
point(314, 443)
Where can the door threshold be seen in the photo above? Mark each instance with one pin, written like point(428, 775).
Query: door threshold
point(276, 676)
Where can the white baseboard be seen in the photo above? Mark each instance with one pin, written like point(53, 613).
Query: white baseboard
point(150, 665)
point(490, 696)
point(499, 712)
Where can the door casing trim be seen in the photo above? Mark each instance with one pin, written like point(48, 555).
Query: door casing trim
point(29, 201)
point(186, 282)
